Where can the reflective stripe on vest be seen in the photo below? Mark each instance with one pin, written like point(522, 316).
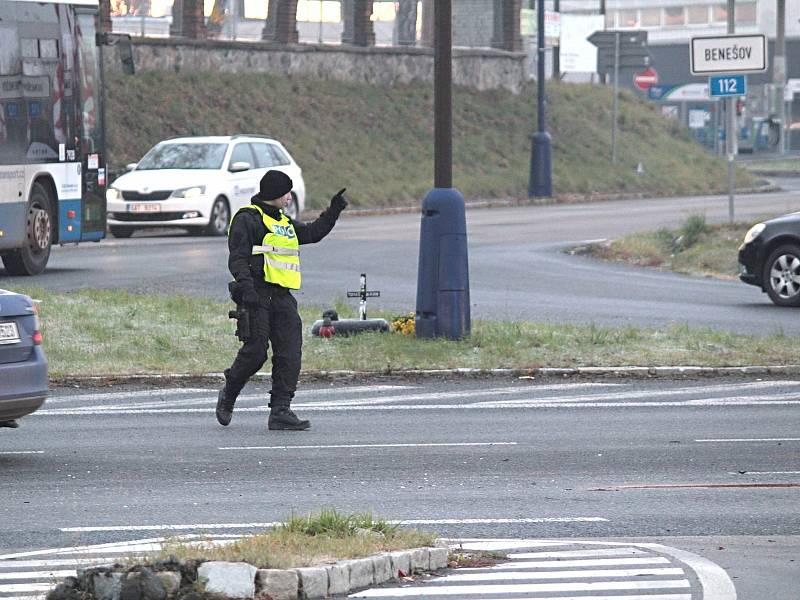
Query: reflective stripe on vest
point(275, 250)
point(280, 250)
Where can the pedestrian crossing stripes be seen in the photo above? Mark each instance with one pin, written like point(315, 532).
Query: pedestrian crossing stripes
point(533, 395)
point(560, 571)
point(25, 578)
point(533, 569)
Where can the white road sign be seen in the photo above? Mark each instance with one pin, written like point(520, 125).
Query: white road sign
point(729, 54)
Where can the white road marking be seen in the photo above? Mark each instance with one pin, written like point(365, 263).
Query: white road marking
point(100, 396)
point(524, 588)
point(204, 526)
point(112, 547)
point(23, 452)
point(532, 404)
point(625, 597)
point(719, 440)
point(162, 392)
point(532, 575)
point(53, 562)
point(334, 446)
point(37, 574)
point(621, 551)
point(765, 473)
point(499, 521)
point(16, 588)
point(651, 394)
point(169, 527)
point(565, 564)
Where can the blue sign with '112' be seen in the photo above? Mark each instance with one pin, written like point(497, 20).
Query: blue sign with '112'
point(728, 85)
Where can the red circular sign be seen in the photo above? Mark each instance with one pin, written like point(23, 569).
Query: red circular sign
point(645, 79)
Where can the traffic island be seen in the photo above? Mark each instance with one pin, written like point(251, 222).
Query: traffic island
point(320, 555)
point(197, 579)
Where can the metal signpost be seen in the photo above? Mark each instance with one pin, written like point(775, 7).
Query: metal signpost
point(732, 56)
point(616, 50)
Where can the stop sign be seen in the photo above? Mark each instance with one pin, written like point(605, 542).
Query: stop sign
point(645, 79)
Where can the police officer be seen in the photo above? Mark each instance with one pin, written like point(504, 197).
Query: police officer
point(265, 264)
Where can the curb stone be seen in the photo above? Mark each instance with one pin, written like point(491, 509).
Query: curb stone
point(242, 580)
point(632, 372)
point(569, 198)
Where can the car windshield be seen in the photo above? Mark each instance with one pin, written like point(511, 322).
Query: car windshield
point(183, 156)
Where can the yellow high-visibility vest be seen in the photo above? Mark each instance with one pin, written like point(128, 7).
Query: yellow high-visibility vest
point(280, 250)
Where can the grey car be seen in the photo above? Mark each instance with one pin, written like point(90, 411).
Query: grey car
point(23, 366)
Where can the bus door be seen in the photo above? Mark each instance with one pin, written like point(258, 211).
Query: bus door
point(91, 128)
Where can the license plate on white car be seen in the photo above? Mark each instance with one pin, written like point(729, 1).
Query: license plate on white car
point(145, 208)
point(9, 334)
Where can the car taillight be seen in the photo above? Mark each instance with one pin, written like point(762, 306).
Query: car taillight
point(37, 333)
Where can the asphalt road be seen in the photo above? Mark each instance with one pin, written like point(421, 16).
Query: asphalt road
point(707, 466)
point(517, 269)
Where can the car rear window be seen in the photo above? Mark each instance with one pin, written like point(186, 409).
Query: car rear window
point(183, 156)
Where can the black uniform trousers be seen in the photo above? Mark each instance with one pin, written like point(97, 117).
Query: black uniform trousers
point(275, 320)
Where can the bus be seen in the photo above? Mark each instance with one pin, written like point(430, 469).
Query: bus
point(52, 141)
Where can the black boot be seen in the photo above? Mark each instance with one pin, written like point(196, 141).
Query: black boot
point(225, 402)
point(282, 417)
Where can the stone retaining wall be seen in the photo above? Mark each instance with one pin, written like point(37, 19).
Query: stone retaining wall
point(481, 69)
point(207, 580)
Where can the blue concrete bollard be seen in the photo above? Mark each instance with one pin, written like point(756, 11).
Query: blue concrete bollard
point(443, 277)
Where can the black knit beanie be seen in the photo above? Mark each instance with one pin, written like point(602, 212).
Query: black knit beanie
point(274, 185)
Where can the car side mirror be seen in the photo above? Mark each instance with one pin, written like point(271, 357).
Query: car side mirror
point(238, 167)
point(131, 166)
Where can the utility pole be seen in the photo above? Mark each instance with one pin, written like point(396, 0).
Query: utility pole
point(779, 71)
point(730, 127)
point(615, 103)
point(540, 183)
point(557, 47)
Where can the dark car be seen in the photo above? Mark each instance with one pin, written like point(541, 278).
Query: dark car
point(769, 257)
point(23, 367)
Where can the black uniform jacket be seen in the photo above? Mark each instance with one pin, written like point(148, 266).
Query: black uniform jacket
point(248, 230)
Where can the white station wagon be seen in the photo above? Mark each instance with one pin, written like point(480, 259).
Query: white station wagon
point(198, 183)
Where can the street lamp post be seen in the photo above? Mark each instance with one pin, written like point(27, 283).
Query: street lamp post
point(443, 308)
point(540, 183)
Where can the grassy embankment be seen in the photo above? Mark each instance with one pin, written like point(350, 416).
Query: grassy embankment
point(694, 248)
point(377, 141)
point(109, 332)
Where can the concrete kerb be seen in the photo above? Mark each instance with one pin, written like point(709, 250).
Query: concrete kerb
point(574, 198)
point(245, 581)
point(346, 576)
point(621, 372)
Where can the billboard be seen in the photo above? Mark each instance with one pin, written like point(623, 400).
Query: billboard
point(578, 55)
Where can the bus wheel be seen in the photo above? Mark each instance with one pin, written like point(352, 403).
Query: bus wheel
point(32, 258)
point(121, 231)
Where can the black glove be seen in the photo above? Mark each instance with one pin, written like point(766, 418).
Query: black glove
point(250, 297)
point(339, 202)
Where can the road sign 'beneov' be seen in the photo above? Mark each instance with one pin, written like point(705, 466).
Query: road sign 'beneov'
point(729, 54)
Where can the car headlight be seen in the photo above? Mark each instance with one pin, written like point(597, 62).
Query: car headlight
point(192, 192)
point(113, 194)
point(753, 233)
